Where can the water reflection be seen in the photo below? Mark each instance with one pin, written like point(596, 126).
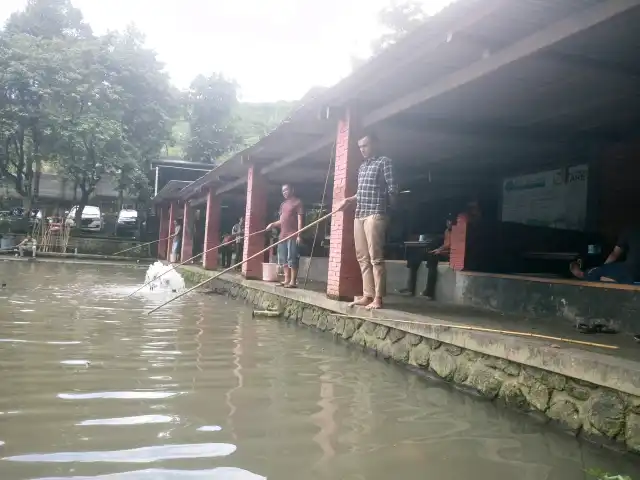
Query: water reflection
point(134, 455)
point(139, 420)
point(93, 387)
point(222, 473)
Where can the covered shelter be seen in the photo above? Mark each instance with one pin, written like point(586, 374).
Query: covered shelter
point(529, 106)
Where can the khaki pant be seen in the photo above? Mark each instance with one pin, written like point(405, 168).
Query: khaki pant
point(369, 235)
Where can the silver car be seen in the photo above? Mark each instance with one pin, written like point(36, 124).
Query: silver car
point(91, 218)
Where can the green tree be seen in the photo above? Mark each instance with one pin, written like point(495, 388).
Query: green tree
point(90, 133)
point(150, 105)
point(253, 121)
point(31, 48)
point(208, 109)
point(49, 19)
point(27, 67)
point(398, 19)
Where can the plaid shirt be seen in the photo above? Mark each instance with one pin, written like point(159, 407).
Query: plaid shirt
point(375, 184)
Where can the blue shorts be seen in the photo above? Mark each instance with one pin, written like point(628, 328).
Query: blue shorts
point(288, 253)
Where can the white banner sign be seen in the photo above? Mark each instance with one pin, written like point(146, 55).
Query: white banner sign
point(555, 198)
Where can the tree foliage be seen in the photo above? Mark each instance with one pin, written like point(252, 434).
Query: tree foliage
point(49, 19)
point(89, 105)
point(398, 19)
point(208, 109)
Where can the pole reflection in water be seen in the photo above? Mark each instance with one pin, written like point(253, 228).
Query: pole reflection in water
point(93, 388)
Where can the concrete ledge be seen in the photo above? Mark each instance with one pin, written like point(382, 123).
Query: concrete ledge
point(584, 391)
point(82, 256)
point(79, 260)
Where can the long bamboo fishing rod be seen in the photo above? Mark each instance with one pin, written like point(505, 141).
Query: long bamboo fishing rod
point(145, 244)
point(261, 252)
point(487, 330)
point(190, 259)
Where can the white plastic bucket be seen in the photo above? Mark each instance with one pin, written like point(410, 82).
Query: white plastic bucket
point(270, 272)
point(172, 257)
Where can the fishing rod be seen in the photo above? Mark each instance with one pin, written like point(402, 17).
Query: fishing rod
point(190, 259)
point(145, 244)
point(482, 329)
point(261, 252)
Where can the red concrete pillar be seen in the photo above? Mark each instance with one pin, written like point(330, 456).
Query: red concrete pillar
point(211, 232)
point(163, 231)
point(187, 233)
point(458, 243)
point(173, 214)
point(345, 280)
point(255, 219)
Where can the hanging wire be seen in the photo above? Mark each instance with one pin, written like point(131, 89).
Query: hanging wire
point(324, 194)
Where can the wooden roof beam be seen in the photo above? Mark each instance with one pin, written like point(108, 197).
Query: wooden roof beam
point(526, 47)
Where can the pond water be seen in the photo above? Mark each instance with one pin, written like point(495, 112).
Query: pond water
point(94, 388)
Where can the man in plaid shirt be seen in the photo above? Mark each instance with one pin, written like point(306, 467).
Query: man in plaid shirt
point(376, 193)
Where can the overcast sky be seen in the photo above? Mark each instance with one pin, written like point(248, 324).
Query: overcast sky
point(274, 49)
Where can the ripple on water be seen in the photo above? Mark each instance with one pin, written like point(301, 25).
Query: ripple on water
point(19, 340)
point(138, 420)
point(150, 395)
point(75, 362)
point(210, 428)
point(135, 455)
point(220, 473)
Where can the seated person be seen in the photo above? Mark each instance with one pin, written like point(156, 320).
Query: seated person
point(473, 212)
point(614, 271)
point(28, 243)
point(415, 257)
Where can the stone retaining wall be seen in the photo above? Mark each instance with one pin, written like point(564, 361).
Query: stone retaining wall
point(578, 406)
point(100, 245)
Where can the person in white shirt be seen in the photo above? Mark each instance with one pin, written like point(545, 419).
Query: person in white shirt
point(28, 243)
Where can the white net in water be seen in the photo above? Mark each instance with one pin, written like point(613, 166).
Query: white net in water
point(162, 277)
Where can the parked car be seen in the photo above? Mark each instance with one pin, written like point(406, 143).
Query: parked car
point(91, 218)
point(127, 222)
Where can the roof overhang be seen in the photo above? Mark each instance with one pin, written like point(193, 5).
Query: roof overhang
point(171, 191)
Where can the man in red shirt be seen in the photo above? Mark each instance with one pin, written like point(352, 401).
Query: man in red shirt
point(291, 221)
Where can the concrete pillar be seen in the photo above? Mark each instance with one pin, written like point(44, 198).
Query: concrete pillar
point(187, 233)
point(345, 280)
point(173, 214)
point(211, 232)
point(163, 231)
point(255, 219)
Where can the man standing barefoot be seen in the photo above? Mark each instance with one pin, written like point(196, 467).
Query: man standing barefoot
point(376, 193)
point(291, 221)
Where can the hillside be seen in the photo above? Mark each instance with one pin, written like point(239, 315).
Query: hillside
point(252, 122)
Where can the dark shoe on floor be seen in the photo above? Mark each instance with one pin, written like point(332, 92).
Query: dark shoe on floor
point(406, 291)
point(426, 295)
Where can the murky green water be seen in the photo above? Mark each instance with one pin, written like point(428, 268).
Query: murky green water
point(92, 387)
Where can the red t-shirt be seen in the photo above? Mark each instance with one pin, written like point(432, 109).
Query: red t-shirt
point(289, 211)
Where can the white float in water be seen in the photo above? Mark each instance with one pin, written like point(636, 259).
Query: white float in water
point(163, 277)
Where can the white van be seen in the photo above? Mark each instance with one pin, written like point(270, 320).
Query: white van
point(91, 218)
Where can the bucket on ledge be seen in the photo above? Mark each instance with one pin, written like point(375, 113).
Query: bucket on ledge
point(270, 272)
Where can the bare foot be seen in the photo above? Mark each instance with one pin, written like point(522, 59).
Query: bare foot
point(361, 302)
point(375, 305)
point(575, 270)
